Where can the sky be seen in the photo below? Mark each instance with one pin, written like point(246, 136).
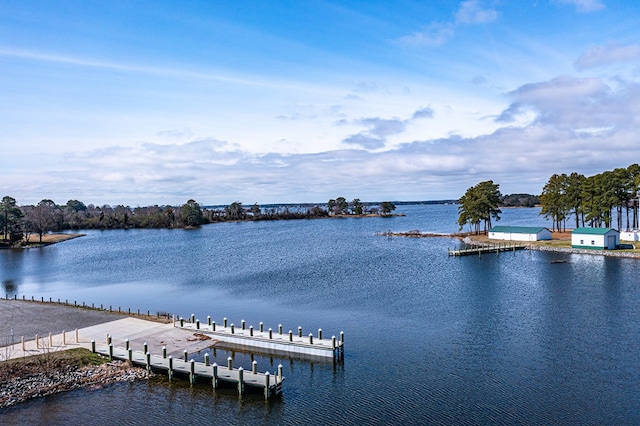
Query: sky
point(157, 102)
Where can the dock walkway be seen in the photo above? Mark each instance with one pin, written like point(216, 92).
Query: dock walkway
point(269, 340)
point(486, 248)
point(271, 385)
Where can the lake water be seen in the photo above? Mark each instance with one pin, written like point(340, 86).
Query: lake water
point(501, 339)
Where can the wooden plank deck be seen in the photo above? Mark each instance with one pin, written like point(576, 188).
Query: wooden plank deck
point(270, 384)
point(268, 340)
point(492, 248)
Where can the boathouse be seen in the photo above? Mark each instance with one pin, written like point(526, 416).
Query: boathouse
point(519, 233)
point(595, 238)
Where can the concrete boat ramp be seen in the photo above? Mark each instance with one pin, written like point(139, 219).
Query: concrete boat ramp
point(164, 347)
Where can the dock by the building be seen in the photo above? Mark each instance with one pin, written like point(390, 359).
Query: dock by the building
point(479, 250)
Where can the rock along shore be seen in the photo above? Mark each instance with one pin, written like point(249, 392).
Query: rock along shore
point(21, 389)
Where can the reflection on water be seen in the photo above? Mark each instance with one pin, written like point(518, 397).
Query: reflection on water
point(502, 339)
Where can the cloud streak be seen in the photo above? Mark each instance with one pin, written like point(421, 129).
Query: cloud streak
point(470, 12)
point(598, 56)
point(584, 6)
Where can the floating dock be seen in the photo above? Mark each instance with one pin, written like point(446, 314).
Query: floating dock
point(271, 385)
point(267, 340)
point(486, 248)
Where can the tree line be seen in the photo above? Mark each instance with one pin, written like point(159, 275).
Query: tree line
point(20, 223)
point(591, 200)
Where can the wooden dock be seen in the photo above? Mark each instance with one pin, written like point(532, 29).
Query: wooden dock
point(268, 340)
point(479, 250)
point(270, 384)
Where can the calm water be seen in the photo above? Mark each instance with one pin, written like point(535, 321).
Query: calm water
point(508, 339)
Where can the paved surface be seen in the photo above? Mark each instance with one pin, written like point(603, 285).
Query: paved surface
point(28, 319)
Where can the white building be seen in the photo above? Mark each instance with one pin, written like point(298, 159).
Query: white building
point(595, 238)
point(630, 235)
point(519, 233)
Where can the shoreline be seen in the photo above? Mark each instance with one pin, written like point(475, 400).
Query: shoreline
point(67, 378)
point(481, 240)
point(47, 240)
point(56, 368)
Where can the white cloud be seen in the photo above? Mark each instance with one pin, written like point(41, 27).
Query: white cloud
point(472, 12)
point(578, 103)
point(436, 34)
point(584, 6)
point(597, 56)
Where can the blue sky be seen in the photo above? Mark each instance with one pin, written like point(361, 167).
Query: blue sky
point(153, 102)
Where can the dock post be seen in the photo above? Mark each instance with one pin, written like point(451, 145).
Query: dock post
point(254, 367)
point(170, 371)
point(148, 361)
point(145, 347)
point(110, 351)
point(333, 342)
point(240, 381)
point(224, 322)
point(280, 372)
point(299, 331)
point(242, 324)
point(261, 327)
point(311, 338)
point(270, 333)
point(50, 340)
point(233, 329)
point(126, 344)
point(266, 385)
point(192, 372)
point(37, 342)
point(342, 337)
point(22, 341)
point(186, 355)
point(93, 346)
point(130, 354)
point(279, 328)
point(164, 352)
point(193, 318)
point(251, 330)
point(198, 324)
point(290, 336)
point(230, 363)
point(319, 334)
point(214, 380)
point(108, 339)
point(64, 338)
point(213, 326)
point(206, 360)
point(208, 319)
point(181, 322)
point(77, 340)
